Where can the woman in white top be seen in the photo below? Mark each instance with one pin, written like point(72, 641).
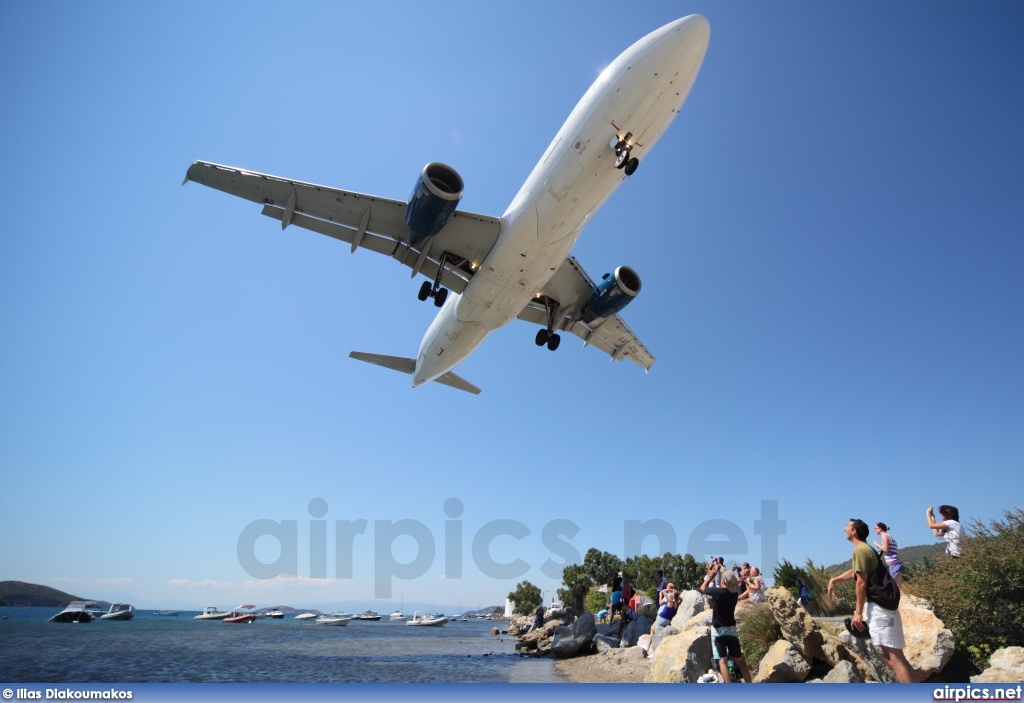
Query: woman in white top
point(950, 528)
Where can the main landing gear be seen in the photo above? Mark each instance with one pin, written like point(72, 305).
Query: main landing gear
point(623, 159)
point(433, 289)
point(548, 335)
point(550, 338)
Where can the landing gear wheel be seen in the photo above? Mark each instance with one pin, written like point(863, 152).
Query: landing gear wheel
point(553, 341)
point(440, 297)
point(424, 291)
point(621, 158)
point(631, 166)
point(542, 337)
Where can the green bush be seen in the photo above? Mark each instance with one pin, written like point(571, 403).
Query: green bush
point(758, 631)
point(526, 597)
point(980, 595)
point(786, 574)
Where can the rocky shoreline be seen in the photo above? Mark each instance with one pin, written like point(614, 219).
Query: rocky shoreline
point(808, 652)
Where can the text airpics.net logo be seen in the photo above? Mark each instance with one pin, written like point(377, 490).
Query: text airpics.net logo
point(717, 537)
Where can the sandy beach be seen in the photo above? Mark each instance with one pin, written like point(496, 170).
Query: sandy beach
point(609, 666)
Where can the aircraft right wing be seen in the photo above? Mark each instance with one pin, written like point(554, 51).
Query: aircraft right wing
point(568, 292)
point(367, 221)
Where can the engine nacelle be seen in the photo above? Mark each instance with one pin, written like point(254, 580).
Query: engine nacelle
point(434, 198)
point(615, 292)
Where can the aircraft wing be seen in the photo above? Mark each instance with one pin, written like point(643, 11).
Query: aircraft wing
point(570, 289)
point(366, 221)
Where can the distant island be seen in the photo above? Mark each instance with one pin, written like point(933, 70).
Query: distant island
point(21, 594)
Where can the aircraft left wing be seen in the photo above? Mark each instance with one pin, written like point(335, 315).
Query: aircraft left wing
point(364, 221)
point(565, 296)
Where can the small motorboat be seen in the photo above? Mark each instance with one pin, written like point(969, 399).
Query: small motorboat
point(76, 611)
point(337, 619)
point(119, 611)
point(370, 615)
point(426, 620)
point(168, 613)
point(306, 616)
point(275, 613)
point(398, 616)
point(241, 614)
point(211, 613)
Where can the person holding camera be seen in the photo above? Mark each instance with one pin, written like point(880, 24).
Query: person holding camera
point(725, 641)
point(949, 529)
point(884, 626)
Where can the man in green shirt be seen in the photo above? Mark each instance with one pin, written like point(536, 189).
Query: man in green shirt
point(885, 626)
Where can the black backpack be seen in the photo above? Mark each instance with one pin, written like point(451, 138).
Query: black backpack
point(882, 590)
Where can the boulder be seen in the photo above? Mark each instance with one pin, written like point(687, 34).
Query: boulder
point(929, 645)
point(783, 663)
point(660, 633)
point(631, 633)
point(1005, 666)
point(871, 655)
point(799, 628)
point(690, 603)
point(682, 658)
point(843, 672)
point(572, 639)
point(606, 641)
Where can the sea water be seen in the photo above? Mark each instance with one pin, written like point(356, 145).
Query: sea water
point(168, 649)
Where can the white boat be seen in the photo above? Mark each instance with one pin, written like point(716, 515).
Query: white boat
point(119, 611)
point(306, 616)
point(168, 613)
point(76, 611)
point(211, 613)
point(398, 616)
point(369, 615)
point(275, 613)
point(337, 619)
point(426, 620)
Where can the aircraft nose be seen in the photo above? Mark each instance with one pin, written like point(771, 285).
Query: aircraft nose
point(695, 32)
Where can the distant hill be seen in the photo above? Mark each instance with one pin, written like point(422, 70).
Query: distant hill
point(910, 556)
point(19, 593)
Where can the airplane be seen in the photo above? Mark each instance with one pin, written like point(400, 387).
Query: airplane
point(517, 265)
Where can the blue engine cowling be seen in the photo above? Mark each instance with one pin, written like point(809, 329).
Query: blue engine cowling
point(434, 198)
point(615, 292)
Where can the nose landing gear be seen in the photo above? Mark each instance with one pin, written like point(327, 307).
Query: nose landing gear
point(623, 150)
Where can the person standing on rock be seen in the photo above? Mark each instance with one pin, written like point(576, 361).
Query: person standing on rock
point(725, 641)
point(891, 551)
point(538, 620)
point(950, 528)
point(885, 626)
point(661, 583)
point(616, 596)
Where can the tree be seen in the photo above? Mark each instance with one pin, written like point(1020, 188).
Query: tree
point(601, 566)
point(526, 597)
point(786, 574)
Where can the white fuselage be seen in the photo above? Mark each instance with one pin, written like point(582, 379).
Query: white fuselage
point(640, 93)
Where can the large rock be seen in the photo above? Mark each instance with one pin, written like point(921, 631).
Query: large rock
point(682, 658)
point(799, 628)
point(631, 633)
point(929, 645)
point(783, 663)
point(1005, 666)
point(660, 633)
point(690, 603)
point(843, 672)
point(871, 655)
point(606, 642)
point(570, 640)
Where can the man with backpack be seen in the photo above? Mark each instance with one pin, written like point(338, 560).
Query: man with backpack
point(874, 593)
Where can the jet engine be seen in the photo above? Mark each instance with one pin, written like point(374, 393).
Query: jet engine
point(615, 292)
point(434, 198)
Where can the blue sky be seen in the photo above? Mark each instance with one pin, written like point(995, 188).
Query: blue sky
point(829, 237)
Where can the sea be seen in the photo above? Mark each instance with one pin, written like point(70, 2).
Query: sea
point(178, 649)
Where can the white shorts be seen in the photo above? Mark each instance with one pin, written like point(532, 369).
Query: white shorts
point(885, 626)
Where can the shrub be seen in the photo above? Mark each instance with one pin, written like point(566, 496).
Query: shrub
point(980, 595)
point(758, 631)
point(786, 574)
point(822, 605)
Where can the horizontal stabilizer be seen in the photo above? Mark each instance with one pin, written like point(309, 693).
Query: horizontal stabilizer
point(408, 366)
point(396, 363)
